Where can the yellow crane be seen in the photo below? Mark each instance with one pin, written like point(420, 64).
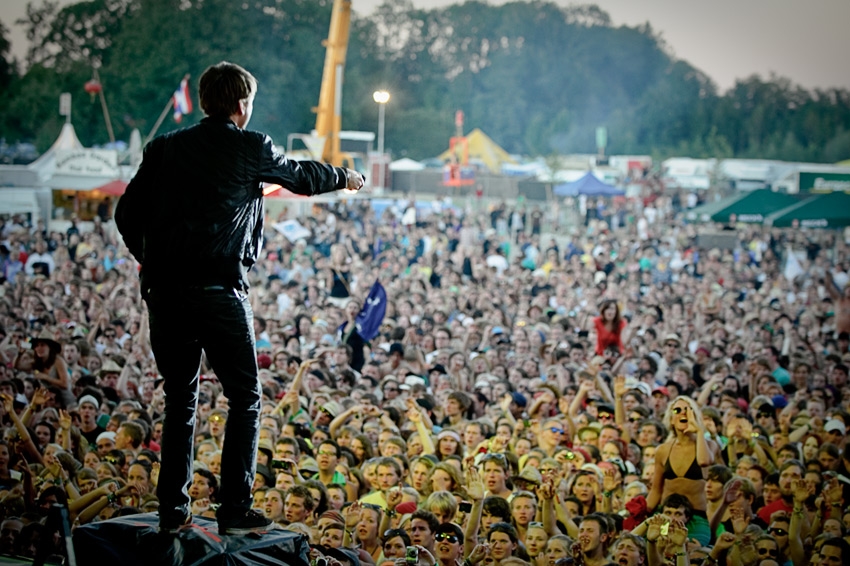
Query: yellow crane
point(323, 142)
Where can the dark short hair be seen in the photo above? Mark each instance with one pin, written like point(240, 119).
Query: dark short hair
point(393, 533)
point(332, 443)
point(497, 507)
point(675, 501)
point(223, 86)
point(842, 545)
point(212, 481)
point(428, 517)
point(304, 493)
point(719, 473)
point(506, 528)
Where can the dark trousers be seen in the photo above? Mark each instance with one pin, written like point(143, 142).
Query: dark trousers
point(218, 321)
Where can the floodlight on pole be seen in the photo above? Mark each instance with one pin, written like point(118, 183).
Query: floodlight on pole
point(381, 97)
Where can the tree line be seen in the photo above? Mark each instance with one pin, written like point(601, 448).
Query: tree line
point(537, 77)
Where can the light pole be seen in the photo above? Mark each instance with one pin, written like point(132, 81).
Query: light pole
point(381, 97)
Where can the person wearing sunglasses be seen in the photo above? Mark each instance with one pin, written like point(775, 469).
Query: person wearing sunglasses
point(551, 436)
point(448, 545)
point(680, 463)
point(767, 548)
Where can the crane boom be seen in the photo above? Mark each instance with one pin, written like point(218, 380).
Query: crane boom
point(329, 110)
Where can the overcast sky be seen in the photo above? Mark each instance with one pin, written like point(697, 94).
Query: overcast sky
point(804, 40)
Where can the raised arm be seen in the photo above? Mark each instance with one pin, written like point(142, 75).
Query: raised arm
point(475, 491)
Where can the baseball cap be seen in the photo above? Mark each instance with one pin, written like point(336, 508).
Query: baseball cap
point(835, 425)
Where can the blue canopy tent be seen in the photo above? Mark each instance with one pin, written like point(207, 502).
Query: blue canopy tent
point(588, 185)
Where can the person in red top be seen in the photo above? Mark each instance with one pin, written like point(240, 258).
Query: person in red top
point(609, 326)
point(790, 471)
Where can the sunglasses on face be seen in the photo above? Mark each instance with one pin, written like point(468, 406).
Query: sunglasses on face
point(767, 551)
point(606, 416)
point(678, 410)
point(557, 430)
point(447, 537)
point(535, 525)
point(778, 532)
point(635, 419)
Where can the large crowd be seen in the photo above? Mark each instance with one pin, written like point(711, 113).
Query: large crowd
point(615, 394)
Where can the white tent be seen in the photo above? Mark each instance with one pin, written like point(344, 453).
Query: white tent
point(406, 164)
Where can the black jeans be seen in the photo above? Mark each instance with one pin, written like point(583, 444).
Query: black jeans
point(219, 321)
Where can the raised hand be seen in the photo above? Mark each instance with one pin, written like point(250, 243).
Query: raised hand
point(834, 493)
point(619, 386)
point(800, 491)
point(8, 403)
point(474, 484)
point(155, 474)
point(677, 533)
point(64, 420)
point(609, 479)
point(724, 542)
point(394, 498)
point(479, 553)
point(653, 526)
point(200, 505)
point(352, 515)
point(740, 521)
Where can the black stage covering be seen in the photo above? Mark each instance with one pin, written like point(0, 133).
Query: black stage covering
point(135, 540)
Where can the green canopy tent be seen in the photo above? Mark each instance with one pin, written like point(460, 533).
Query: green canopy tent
point(755, 206)
point(703, 212)
point(829, 210)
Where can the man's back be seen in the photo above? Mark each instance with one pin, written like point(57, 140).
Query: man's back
point(194, 211)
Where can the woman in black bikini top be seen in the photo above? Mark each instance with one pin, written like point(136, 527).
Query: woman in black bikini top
point(680, 461)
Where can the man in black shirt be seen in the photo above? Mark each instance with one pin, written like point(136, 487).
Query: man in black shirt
point(193, 217)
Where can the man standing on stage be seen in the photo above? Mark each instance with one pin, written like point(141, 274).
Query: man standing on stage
point(193, 218)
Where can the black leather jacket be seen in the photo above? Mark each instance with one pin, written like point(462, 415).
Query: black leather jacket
point(193, 214)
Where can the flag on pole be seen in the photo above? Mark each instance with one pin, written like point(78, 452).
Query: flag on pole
point(182, 101)
point(372, 314)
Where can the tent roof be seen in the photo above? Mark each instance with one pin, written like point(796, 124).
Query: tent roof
point(114, 188)
point(703, 212)
point(406, 164)
point(754, 206)
point(484, 149)
point(587, 185)
point(67, 140)
point(828, 210)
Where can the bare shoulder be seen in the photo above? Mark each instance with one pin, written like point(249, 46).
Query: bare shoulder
point(663, 452)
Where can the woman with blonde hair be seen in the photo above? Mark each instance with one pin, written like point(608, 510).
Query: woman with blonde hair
point(681, 461)
point(443, 504)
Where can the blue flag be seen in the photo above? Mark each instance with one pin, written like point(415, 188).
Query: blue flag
point(372, 314)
